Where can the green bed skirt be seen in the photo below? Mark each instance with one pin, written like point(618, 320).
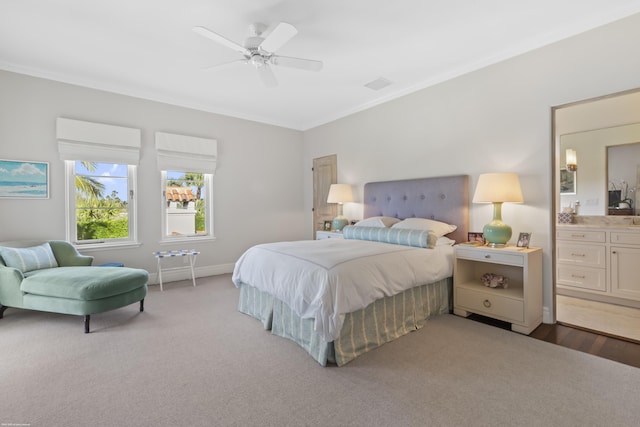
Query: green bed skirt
point(380, 322)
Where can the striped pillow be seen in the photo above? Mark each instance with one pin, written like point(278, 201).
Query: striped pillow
point(29, 259)
point(406, 237)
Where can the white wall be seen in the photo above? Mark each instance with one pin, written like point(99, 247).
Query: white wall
point(494, 119)
point(258, 194)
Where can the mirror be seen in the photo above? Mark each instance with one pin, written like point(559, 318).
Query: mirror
point(604, 135)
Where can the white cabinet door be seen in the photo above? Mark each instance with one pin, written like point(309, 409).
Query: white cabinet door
point(625, 272)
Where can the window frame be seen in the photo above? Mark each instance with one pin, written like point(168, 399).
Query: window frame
point(132, 209)
point(208, 217)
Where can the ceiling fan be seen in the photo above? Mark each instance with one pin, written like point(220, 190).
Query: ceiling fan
point(259, 50)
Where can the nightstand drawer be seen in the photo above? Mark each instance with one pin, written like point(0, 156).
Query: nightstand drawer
point(493, 256)
point(321, 235)
point(490, 304)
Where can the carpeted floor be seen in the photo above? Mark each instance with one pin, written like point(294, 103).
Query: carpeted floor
point(192, 360)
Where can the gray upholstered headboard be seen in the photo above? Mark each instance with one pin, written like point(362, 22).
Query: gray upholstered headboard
point(441, 198)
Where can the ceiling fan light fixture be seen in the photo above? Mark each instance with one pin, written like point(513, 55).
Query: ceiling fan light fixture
point(257, 60)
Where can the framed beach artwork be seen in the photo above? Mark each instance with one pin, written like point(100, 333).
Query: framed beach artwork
point(20, 179)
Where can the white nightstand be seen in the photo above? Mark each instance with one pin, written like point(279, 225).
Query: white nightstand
point(321, 235)
point(519, 304)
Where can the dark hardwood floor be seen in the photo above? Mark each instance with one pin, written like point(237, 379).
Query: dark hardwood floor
point(611, 348)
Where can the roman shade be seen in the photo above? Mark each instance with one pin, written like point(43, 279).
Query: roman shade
point(186, 153)
point(97, 142)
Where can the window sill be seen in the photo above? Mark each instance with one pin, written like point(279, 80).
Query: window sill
point(106, 246)
point(190, 239)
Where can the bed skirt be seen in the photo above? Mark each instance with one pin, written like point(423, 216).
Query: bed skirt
point(380, 322)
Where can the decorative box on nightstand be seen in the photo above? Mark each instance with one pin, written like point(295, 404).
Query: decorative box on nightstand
point(519, 304)
point(321, 235)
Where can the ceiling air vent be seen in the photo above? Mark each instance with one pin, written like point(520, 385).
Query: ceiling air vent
point(378, 84)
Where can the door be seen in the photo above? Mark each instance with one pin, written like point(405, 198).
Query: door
point(325, 173)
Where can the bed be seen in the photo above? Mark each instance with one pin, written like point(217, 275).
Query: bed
point(339, 298)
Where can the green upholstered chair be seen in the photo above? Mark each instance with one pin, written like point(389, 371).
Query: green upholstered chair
point(53, 276)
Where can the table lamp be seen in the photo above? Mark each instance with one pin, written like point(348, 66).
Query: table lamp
point(340, 193)
point(497, 188)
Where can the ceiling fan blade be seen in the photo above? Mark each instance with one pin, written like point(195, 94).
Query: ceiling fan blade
point(267, 76)
point(303, 64)
point(224, 64)
point(278, 37)
point(205, 32)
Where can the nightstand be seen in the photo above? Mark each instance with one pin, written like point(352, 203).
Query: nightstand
point(321, 235)
point(519, 304)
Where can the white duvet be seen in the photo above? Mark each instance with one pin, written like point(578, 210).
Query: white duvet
point(325, 279)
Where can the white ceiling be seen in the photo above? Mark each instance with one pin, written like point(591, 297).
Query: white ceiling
point(147, 49)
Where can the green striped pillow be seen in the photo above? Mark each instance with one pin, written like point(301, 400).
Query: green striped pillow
point(406, 237)
point(29, 259)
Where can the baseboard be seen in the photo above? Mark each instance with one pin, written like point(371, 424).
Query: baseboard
point(181, 273)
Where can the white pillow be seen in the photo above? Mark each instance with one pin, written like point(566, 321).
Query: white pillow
point(377, 221)
point(445, 241)
point(438, 227)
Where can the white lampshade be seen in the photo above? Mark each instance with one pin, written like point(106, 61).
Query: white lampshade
point(340, 193)
point(498, 187)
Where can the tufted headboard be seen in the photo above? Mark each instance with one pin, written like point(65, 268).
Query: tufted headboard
point(443, 198)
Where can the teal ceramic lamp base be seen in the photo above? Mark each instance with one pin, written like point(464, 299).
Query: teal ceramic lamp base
point(497, 233)
point(339, 222)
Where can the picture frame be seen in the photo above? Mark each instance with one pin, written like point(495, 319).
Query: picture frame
point(567, 182)
point(523, 240)
point(475, 236)
point(327, 226)
point(24, 179)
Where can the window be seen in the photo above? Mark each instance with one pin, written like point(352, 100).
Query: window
point(101, 202)
point(100, 168)
point(187, 165)
point(187, 204)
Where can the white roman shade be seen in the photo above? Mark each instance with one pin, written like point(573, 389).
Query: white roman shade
point(96, 142)
point(186, 153)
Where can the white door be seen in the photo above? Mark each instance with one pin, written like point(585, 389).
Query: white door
point(325, 173)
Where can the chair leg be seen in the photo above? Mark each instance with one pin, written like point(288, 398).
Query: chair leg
point(142, 304)
point(87, 318)
point(2, 309)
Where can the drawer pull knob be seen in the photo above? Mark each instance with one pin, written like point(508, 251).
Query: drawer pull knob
point(575, 276)
point(614, 252)
point(580, 255)
point(578, 235)
point(487, 256)
point(486, 303)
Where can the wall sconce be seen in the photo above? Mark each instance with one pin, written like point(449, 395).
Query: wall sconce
point(340, 193)
point(572, 160)
point(497, 188)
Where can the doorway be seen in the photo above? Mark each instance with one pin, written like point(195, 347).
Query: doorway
point(325, 173)
point(578, 127)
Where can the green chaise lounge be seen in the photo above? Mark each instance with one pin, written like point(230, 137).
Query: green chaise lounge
point(53, 276)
